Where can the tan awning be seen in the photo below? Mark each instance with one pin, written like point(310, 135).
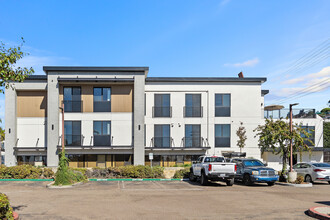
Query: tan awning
point(273, 107)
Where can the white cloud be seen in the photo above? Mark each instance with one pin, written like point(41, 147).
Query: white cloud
point(312, 78)
point(248, 63)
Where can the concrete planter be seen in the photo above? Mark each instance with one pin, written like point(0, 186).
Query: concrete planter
point(292, 177)
point(51, 185)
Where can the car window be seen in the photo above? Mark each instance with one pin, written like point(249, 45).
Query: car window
point(297, 166)
point(207, 159)
point(303, 165)
point(200, 159)
point(321, 165)
point(214, 159)
point(252, 163)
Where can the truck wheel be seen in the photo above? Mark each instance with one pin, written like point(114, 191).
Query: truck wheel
point(204, 180)
point(271, 183)
point(247, 180)
point(230, 182)
point(192, 177)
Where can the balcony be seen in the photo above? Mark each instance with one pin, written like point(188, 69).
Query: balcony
point(102, 140)
point(192, 111)
point(161, 142)
point(72, 106)
point(221, 111)
point(102, 106)
point(72, 140)
point(222, 141)
point(194, 142)
point(162, 112)
point(285, 113)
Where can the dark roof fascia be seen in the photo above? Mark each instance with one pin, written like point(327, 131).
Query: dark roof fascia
point(205, 79)
point(264, 91)
point(93, 69)
point(95, 79)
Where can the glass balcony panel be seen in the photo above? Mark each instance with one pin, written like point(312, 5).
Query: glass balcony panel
point(102, 106)
point(102, 140)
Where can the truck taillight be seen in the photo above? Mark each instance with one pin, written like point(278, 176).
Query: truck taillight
point(235, 167)
point(210, 167)
point(318, 170)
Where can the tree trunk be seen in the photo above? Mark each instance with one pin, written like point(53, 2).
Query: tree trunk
point(284, 167)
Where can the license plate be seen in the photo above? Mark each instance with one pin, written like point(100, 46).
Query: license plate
point(222, 175)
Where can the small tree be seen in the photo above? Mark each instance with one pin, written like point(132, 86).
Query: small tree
point(241, 134)
point(275, 136)
point(8, 70)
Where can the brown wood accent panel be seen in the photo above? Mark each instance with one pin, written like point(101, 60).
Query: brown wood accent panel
point(87, 98)
point(122, 98)
point(31, 104)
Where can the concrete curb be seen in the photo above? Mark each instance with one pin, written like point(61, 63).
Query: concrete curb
point(308, 185)
point(50, 185)
point(317, 212)
point(137, 180)
point(35, 180)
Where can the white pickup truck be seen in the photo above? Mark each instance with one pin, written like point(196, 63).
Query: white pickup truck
point(213, 168)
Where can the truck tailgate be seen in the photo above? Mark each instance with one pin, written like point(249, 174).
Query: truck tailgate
point(223, 167)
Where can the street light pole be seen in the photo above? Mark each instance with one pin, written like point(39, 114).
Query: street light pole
point(291, 158)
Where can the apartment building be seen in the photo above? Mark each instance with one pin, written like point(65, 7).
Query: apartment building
point(116, 116)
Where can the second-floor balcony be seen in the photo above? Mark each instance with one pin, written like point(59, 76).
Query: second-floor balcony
point(162, 142)
point(194, 142)
point(72, 106)
point(193, 111)
point(162, 112)
point(72, 140)
point(102, 140)
point(285, 113)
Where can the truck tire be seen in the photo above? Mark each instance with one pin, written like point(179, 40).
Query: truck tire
point(271, 183)
point(230, 182)
point(192, 177)
point(247, 180)
point(204, 180)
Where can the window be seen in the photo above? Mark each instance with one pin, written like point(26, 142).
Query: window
point(72, 133)
point(311, 131)
point(72, 99)
point(162, 136)
point(162, 106)
point(222, 105)
point(33, 160)
point(193, 106)
point(102, 100)
point(193, 136)
point(222, 135)
point(102, 133)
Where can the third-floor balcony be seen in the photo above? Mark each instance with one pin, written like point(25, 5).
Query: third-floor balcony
point(72, 106)
point(193, 111)
point(162, 112)
point(285, 113)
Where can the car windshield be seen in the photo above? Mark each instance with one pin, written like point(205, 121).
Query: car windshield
point(321, 164)
point(253, 163)
point(214, 159)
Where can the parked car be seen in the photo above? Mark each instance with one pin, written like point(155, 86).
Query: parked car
point(250, 171)
point(213, 168)
point(313, 171)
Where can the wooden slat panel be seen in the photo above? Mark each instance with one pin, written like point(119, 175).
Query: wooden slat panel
point(31, 104)
point(87, 98)
point(122, 98)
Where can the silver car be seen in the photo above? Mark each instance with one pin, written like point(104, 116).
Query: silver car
point(313, 171)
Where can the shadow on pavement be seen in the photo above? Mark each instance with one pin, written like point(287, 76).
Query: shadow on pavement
point(324, 202)
point(19, 207)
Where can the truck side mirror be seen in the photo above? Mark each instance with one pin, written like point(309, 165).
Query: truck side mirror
point(266, 164)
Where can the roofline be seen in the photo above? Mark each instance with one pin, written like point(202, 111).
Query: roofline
point(93, 69)
point(36, 77)
point(206, 79)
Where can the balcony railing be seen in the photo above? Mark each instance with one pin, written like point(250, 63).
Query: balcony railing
point(221, 111)
point(102, 140)
point(72, 140)
point(222, 141)
point(102, 106)
point(165, 112)
point(193, 142)
point(193, 111)
point(285, 113)
point(72, 106)
point(160, 142)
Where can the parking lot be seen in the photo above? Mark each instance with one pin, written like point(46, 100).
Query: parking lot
point(163, 200)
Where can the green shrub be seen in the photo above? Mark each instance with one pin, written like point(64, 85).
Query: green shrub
point(180, 174)
point(6, 211)
point(25, 172)
point(47, 173)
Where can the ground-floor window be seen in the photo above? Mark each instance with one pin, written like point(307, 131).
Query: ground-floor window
point(32, 160)
point(99, 160)
point(171, 160)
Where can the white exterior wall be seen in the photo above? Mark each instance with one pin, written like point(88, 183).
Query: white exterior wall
point(121, 126)
point(29, 130)
point(245, 107)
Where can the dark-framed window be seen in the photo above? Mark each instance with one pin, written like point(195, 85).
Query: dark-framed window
point(193, 107)
point(102, 133)
point(311, 131)
point(222, 105)
point(162, 135)
point(72, 133)
point(102, 99)
point(222, 135)
point(72, 99)
point(162, 106)
point(192, 136)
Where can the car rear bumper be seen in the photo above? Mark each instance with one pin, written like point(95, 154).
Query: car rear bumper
point(264, 179)
point(220, 176)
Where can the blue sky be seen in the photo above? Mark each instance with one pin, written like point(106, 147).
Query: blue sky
point(181, 38)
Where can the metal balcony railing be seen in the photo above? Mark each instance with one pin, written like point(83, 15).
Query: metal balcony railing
point(72, 106)
point(193, 111)
point(193, 142)
point(285, 113)
point(163, 111)
point(162, 142)
point(222, 141)
point(102, 140)
point(72, 140)
point(221, 111)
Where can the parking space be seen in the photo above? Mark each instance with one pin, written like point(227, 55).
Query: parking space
point(163, 200)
